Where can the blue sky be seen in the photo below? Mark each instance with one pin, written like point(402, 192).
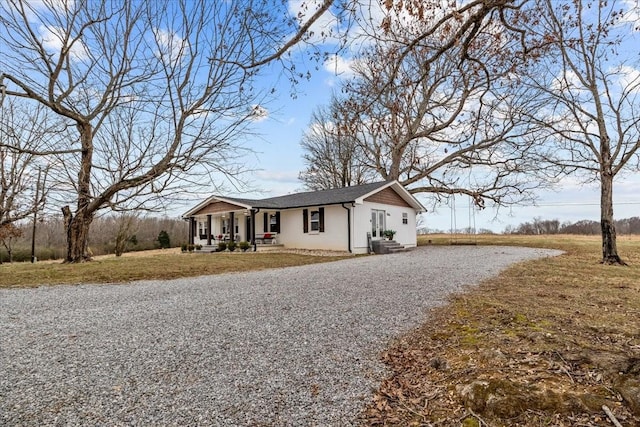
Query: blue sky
point(278, 155)
point(279, 158)
point(278, 161)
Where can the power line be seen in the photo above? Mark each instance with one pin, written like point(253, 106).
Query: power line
point(584, 204)
point(550, 204)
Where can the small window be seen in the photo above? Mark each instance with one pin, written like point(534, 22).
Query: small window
point(202, 228)
point(405, 218)
point(315, 221)
point(273, 223)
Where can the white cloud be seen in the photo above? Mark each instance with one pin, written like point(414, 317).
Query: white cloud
point(171, 47)
point(53, 39)
point(631, 14)
point(274, 182)
point(325, 28)
point(339, 66)
point(33, 7)
point(331, 82)
point(258, 113)
point(629, 78)
point(567, 80)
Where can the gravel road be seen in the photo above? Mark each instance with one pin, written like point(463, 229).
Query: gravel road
point(290, 347)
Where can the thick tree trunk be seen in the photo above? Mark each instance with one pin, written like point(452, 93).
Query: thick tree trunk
point(609, 246)
point(77, 229)
point(77, 226)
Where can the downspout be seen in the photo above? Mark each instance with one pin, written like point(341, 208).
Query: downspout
point(348, 226)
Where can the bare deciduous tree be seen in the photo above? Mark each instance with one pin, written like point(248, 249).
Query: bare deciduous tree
point(333, 157)
point(126, 225)
point(588, 88)
point(24, 134)
point(427, 112)
point(155, 90)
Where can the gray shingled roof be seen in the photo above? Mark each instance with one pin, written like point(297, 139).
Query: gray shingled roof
point(312, 198)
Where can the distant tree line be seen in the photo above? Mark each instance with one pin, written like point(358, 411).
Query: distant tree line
point(113, 234)
point(585, 226)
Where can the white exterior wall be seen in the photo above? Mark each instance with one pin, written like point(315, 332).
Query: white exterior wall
point(406, 234)
point(333, 238)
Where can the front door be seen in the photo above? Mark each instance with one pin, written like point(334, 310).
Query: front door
point(378, 218)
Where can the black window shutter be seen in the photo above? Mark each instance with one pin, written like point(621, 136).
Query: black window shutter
point(265, 222)
point(321, 215)
point(305, 220)
point(277, 222)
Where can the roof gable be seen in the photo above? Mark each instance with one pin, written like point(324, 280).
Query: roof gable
point(211, 204)
point(387, 196)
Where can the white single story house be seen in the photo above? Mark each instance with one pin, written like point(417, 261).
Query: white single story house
point(341, 219)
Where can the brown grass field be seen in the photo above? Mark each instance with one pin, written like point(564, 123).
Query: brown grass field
point(545, 343)
point(148, 265)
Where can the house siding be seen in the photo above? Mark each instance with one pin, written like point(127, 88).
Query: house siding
point(406, 234)
point(387, 196)
point(334, 237)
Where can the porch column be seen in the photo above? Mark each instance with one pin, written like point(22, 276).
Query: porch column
point(208, 230)
point(232, 227)
point(192, 226)
point(253, 230)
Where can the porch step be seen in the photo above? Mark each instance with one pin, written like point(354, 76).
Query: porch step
point(387, 247)
point(208, 248)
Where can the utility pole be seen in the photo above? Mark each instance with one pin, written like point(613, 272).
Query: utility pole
point(35, 219)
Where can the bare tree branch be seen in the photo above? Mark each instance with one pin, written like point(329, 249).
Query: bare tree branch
point(150, 107)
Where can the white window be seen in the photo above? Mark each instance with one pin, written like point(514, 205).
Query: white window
point(315, 221)
point(405, 218)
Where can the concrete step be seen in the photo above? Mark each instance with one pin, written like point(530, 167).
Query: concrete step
point(400, 249)
point(386, 246)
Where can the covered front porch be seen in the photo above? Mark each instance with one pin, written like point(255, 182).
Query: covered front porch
point(221, 221)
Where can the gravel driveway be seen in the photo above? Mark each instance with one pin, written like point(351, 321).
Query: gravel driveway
point(295, 346)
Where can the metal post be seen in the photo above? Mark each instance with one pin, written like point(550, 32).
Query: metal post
point(35, 219)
